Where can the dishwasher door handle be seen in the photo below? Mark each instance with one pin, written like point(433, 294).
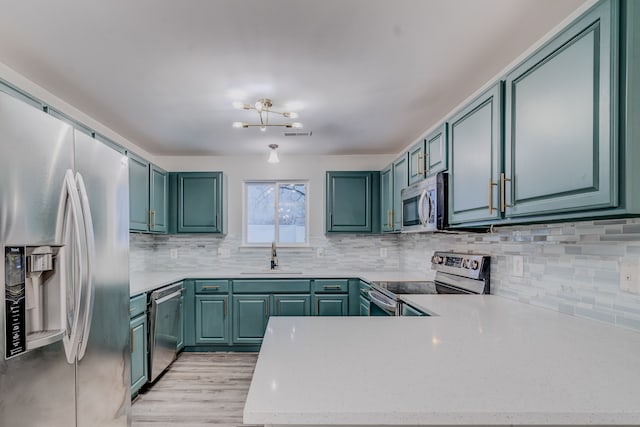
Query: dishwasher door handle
point(168, 297)
point(380, 303)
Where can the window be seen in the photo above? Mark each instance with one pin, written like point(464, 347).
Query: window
point(275, 212)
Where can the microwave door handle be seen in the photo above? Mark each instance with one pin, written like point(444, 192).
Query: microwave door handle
point(430, 211)
point(70, 204)
point(420, 210)
point(91, 262)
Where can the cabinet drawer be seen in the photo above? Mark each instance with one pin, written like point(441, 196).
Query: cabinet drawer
point(334, 286)
point(212, 286)
point(137, 305)
point(271, 286)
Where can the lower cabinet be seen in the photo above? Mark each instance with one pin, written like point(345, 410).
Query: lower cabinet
point(180, 344)
point(331, 305)
point(250, 317)
point(364, 306)
point(138, 352)
point(291, 305)
point(212, 319)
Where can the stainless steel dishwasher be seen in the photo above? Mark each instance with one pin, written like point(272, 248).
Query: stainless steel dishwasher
point(164, 320)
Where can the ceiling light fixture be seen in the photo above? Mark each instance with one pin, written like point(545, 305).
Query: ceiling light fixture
point(273, 154)
point(263, 108)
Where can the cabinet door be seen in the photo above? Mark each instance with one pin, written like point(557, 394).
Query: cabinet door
point(400, 181)
point(138, 352)
point(138, 193)
point(180, 344)
point(250, 317)
point(561, 147)
point(417, 163)
point(212, 319)
point(349, 202)
point(436, 147)
point(331, 305)
point(364, 306)
point(158, 199)
point(386, 198)
point(199, 202)
point(475, 149)
point(291, 305)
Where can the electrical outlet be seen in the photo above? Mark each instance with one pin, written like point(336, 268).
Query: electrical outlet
point(517, 266)
point(383, 252)
point(173, 253)
point(629, 275)
point(319, 252)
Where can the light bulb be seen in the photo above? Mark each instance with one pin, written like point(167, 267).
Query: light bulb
point(238, 125)
point(259, 105)
point(239, 105)
point(290, 115)
point(273, 155)
point(296, 125)
point(263, 128)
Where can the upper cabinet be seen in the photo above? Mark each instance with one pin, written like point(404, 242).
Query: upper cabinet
point(474, 167)
point(429, 156)
point(352, 205)
point(200, 202)
point(148, 196)
point(400, 181)
point(560, 121)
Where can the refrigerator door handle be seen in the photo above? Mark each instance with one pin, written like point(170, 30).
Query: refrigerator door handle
point(70, 202)
point(91, 262)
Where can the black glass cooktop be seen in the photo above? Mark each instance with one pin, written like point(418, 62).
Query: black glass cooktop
point(399, 288)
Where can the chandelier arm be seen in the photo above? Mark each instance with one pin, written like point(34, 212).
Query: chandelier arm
point(271, 125)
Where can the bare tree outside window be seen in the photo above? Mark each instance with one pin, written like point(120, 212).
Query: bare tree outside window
point(276, 211)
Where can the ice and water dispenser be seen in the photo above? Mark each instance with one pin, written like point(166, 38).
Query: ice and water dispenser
point(33, 297)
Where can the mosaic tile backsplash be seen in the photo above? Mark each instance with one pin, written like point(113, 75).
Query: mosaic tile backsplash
point(574, 268)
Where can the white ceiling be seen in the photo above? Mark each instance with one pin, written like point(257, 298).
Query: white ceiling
point(370, 75)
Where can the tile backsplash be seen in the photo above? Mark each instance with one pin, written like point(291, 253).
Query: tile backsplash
point(574, 268)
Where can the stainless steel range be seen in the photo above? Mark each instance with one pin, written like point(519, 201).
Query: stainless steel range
point(456, 273)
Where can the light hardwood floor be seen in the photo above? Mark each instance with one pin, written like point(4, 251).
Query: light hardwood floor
point(198, 389)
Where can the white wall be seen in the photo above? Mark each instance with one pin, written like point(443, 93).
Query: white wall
point(238, 169)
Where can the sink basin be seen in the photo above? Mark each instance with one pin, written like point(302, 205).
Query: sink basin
point(283, 272)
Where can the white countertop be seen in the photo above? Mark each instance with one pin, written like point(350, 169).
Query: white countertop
point(481, 360)
point(144, 282)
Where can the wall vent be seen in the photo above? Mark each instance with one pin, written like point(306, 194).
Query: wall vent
point(297, 133)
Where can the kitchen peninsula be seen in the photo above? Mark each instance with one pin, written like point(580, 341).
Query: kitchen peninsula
point(479, 360)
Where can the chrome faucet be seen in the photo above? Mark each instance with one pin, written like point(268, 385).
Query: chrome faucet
point(274, 256)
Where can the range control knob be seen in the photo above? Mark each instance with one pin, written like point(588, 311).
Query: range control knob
point(475, 264)
point(465, 263)
point(437, 259)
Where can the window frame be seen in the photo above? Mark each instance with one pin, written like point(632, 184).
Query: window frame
point(277, 183)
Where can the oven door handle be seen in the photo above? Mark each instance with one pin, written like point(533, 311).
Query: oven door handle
point(380, 303)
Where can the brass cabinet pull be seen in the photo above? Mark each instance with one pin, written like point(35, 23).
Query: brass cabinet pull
point(332, 287)
point(153, 216)
point(224, 307)
point(491, 184)
point(389, 218)
point(131, 310)
point(426, 164)
point(420, 162)
point(317, 306)
point(217, 222)
point(331, 220)
point(503, 197)
point(149, 219)
point(210, 287)
point(133, 342)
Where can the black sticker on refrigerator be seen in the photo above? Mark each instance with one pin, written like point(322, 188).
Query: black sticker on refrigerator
point(14, 301)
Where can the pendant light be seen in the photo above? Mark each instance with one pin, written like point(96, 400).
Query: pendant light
point(273, 154)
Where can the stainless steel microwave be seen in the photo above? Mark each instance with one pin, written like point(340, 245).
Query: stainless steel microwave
point(424, 205)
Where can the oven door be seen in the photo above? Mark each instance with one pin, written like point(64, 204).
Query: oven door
point(381, 305)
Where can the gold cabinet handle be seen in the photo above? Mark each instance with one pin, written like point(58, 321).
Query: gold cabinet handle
point(420, 162)
point(317, 306)
point(149, 219)
point(389, 218)
point(491, 184)
point(426, 163)
point(331, 220)
point(217, 222)
point(224, 307)
point(133, 342)
point(210, 287)
point(503, 204)
point(153, 216)
point(332, 287)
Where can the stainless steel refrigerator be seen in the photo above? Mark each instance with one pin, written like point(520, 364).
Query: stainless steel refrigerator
point(64, 219)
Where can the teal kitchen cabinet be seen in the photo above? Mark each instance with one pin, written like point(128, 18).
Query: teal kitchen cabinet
point(408, 310)
point(386, 199)
point(475, 147)
point(429, 156)
point(138, 193)
point(560, 121)
point(292, 305)
point(148, 196)
point(331, 305)
point(200, 202)
point(250, 317)
point(352, 205)
point(363, 298)
point(364, 306)
point(158, 199)
point(400, 181)
point(212, 319)
point(138, 342)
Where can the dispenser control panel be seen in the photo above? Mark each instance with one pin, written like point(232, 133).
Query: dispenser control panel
point(15, 303)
